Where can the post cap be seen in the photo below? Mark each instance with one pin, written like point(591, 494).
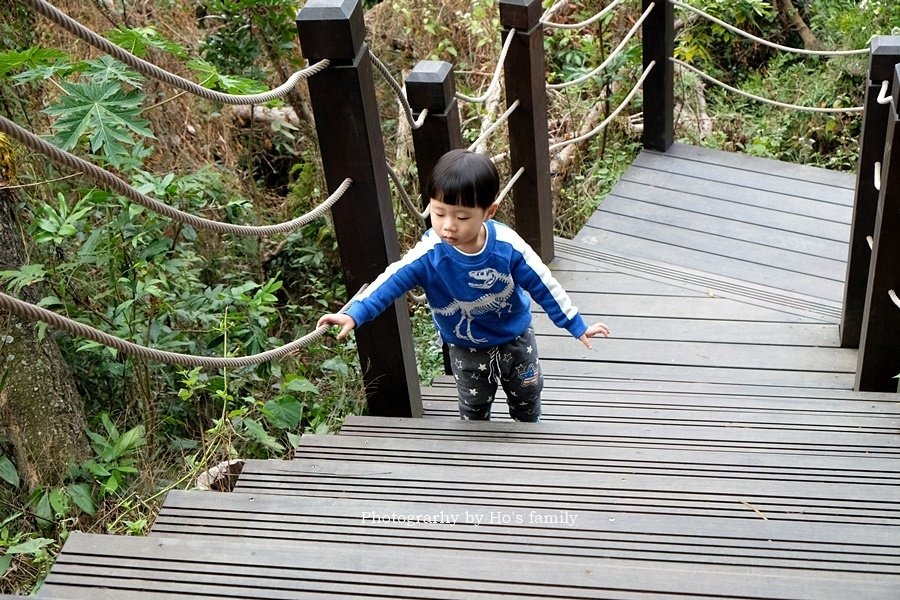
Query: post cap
point(332, 29)
point(431, 86)
point(521, 15)
point(885, 54)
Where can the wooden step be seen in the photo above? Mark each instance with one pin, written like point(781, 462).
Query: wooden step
point(702, 464)
point(97, 567)
point(642, 435)
point(553, 489)
point(616, 539)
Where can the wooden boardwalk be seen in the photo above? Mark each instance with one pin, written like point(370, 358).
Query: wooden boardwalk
point(712, 448)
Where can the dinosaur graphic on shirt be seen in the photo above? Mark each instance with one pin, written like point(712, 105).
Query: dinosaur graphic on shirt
point(493, 301)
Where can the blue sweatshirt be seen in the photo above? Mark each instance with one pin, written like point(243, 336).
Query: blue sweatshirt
point(477, 300)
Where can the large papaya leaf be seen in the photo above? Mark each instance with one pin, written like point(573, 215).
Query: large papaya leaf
point(105, 113)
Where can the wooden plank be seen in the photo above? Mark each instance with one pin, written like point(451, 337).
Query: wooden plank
point(195, 567)
point(723, 226)
point(784, 394)
point(698, 307)
point(766, 217)
point(657, 541)
point(740, 177)
point(673, 181)
point(702, 354)
point(750, 254)
point(719, 285)
point(576, 492)
point(611, 283)
point(705, 330)
point(665, 374)
point(642, 436)
point(612, 412)
point(771, 276)
point(795, 401)
point(787, 170)
point(418, 449)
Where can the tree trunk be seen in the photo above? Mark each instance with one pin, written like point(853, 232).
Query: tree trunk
point(41, 412)
point(790, 14)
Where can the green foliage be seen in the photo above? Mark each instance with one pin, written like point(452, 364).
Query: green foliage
point(244, 30)
point(711, 46)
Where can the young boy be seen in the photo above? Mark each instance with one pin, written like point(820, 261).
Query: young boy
point(475, 272)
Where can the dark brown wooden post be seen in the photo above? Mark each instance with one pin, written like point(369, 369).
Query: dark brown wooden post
point(431, 86)
point(529, 142)
point(885, 53)
point(659, 88)
point(351, 145)
point(879, 349)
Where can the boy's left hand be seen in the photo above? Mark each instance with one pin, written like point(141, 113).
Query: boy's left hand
point(595, 329)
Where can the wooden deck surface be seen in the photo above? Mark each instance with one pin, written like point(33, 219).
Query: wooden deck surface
point(711, 448)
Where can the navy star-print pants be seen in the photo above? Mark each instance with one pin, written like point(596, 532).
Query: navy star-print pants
point(514, 365)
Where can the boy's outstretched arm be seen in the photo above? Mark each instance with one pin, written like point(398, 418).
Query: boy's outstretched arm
point(595, 329)
point(344, 321)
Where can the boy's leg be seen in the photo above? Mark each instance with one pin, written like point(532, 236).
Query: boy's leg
point(522, 377)
point(474, 382)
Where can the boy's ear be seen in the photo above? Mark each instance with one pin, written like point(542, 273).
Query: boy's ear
point(491, 211)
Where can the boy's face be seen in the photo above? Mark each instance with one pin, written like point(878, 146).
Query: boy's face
point(460, 226)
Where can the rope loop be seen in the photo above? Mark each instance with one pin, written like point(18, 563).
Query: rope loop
point(495, 79)
point(883, 96)
point(398, 92)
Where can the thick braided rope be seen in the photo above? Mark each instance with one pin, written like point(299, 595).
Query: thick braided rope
point(894, 298)
point(610, 58)
point(398, 91)
point(711, 79)
point(111, 182)
point(150, 70)
point(495, 79)
point(584, 23)
point(509, 185)
point(36, 313)
point(404, 197)
point(612, 115)
point(500, 120)
point(764, 42)
point(883, 97)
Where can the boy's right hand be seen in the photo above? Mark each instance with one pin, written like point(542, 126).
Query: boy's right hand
point(345, 322)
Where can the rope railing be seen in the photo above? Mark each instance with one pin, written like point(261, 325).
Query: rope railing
point(398, 92)
point(618, 49)
point(711, 79)
point(509, 185)
point(877, 178)
point(32, 312)
point(114, 183)
point(612, 115)
point(883, 96)
point(404, 197)
point(500, 120)
point(150, 70)
point(550, 24)
point(894, 298)
point(765, 42)
point(495, 78)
